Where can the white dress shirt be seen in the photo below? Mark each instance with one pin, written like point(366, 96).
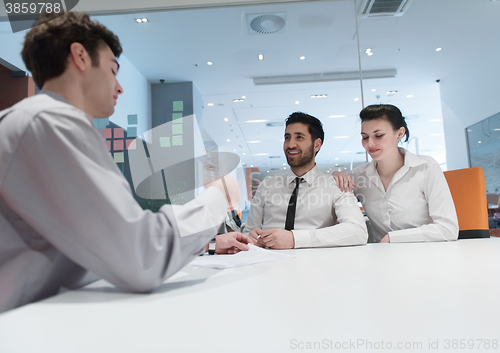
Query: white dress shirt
point(320, 204)
point(417, 205)
point(66, 209)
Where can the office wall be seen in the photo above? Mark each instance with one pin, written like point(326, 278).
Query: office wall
point(136, 97)
point(469, 94)
point(14, 89)
point(11, 45)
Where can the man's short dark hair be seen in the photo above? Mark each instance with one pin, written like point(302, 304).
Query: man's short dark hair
point(47, 45)
point(315, 127)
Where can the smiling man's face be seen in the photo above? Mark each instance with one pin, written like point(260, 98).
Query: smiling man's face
point(299, 147)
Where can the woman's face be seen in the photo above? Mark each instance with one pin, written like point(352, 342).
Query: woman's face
point(379, 139)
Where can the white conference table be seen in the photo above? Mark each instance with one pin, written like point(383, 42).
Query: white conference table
point(403, 295)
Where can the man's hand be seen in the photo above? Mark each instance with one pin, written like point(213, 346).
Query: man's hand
point(386, 239)
point(277, 238)
point(230, 188)
point(344, 181)
point(254, 236)
point(231, 243)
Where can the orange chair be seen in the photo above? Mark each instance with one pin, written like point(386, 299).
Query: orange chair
point(469, 195)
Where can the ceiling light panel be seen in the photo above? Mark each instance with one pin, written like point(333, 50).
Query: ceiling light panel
point(324, 77)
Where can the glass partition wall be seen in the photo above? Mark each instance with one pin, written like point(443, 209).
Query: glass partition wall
point(254, 65)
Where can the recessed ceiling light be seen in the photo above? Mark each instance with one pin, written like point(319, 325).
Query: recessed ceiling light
point(144, 20)
point(373, 90)
point(356, 99)
point(391, 92)
point(302, 57)
point(284, 163)
point(209, 63)
point(210, 104)
point(226, 119)
point(336, 159)
point(228, 140)
point(319, 96)
point(340, 137)
point(260, 154)
point(439, 49)
point(253, 141)
point(409, 96)
point(238, 100)
point(244, 154)
point(256, 121)
point(493, 130)
point(337, 116)
point(141, 20)
point(284, 167)
point(243, 97)
point(251, 165)
point(268, 171)
point(478, 141)
point(261, 57)
point(297, 102)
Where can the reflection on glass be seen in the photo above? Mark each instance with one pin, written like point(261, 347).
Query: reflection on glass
point(484, 150)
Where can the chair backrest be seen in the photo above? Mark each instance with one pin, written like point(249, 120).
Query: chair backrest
point(469, 195)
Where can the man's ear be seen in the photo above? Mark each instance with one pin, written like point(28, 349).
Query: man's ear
point(317, 145)
point(78, 56)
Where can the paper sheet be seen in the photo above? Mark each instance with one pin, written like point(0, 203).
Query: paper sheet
point(254, 255)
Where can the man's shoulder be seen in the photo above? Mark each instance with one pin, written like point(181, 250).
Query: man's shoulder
point(42, 103)
point(324, 181)
point(50, 112)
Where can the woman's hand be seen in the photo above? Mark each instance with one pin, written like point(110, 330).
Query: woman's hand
point(344, 181)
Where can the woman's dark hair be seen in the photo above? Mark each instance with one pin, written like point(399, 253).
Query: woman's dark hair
point(47, 45)
point(385, 111)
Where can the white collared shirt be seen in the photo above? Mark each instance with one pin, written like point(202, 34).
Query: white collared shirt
point(320, 204)
point(66, 209)
point(417, 205)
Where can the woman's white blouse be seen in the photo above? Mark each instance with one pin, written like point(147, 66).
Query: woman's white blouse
point(417, 205)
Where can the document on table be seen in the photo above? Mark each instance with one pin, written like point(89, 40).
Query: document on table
point(254, 255)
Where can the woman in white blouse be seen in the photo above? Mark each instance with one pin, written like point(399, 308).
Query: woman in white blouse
point(405, 196)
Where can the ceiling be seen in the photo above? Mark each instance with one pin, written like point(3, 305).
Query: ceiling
point(176, 46)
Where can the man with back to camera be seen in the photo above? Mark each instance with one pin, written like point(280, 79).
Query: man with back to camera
point(300, 209)
point(65, 208)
